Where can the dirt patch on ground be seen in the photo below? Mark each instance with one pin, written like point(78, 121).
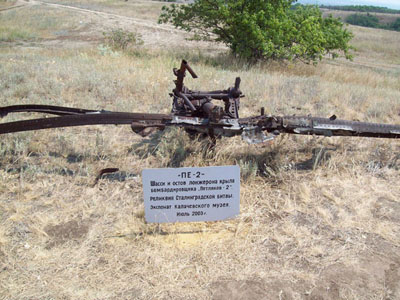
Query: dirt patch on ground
point(370, 271)
point(238, 289)
point(2, 255)
point(387, 209)
point(369, 277)
point(373, 273)
point(254, 290)
point(74, 230)
point(392, 278)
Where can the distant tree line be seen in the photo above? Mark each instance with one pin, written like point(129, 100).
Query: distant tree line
point(362, 8)
point(368, 20)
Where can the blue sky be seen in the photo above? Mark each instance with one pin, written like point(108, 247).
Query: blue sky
point(395, 4)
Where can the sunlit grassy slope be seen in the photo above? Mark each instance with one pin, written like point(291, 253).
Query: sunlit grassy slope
point(319, 216)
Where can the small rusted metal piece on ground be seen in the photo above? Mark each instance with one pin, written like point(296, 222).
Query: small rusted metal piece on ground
point(102, 172)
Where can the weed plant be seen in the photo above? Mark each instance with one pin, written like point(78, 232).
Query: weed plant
point(119, 39)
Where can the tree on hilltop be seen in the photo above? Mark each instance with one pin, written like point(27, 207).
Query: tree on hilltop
point(263, 29)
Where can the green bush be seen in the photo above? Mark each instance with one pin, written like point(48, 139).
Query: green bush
point(395, 25)
point(367, 20)
point(119, 39)
point(262, 29)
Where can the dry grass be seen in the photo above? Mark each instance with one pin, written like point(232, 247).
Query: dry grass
point(319, 216)
point(377, 44)
point(143, 9)
point(36, 23)
point(6, 4)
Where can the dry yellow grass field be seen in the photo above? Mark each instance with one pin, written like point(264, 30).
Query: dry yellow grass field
point(320, 217)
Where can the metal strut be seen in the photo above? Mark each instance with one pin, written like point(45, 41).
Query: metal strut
point(68, 117)
point(46, 109)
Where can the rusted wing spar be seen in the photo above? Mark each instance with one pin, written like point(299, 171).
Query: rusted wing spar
point(334, 127)
point(251, 128)
point(69, 117)
point(49, 109)
point(196, 113)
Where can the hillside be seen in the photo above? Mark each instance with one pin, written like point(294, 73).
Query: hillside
point(384, 18)
point(320, 217)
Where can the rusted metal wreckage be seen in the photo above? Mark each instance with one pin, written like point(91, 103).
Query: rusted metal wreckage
point(196, 112)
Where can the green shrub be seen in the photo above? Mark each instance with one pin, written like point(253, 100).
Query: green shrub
point(261, 29)
point(8, 34)
point(119, 39)
point(367, 20)
point(395, 25)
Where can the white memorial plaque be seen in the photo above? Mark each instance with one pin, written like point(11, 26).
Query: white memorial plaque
point(191, 194)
